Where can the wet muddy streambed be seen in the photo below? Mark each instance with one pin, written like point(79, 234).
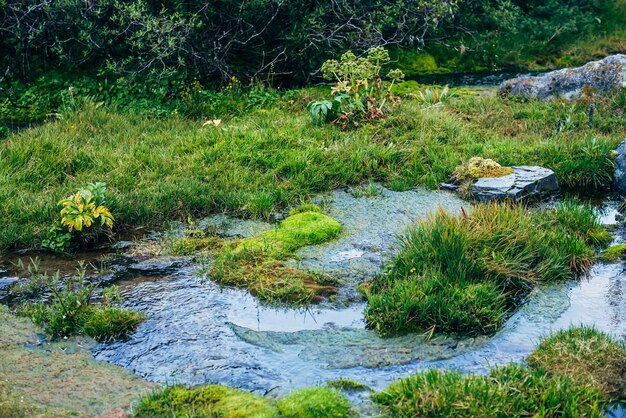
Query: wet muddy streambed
point(199, 332)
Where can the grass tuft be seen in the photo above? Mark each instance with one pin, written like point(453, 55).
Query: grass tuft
point(464, 274)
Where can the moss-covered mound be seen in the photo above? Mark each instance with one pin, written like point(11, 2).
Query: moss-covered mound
point(224, 402)
point(464, 274)
point(478, 167)
point(205, 401)
point(614, 253)
point(257, 262)
point(586, 355)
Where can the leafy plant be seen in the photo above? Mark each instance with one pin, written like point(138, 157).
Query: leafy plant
point(434, 97)
point(359, 92)
point(85, 207)
point(58, 239)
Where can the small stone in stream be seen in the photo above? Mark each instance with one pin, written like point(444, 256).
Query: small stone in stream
point(620, 168)
point(156, 266)
point(525, 183)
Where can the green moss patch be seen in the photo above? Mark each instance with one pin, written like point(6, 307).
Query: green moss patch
point(316, 402)
point(614, 253)
point(478, 167)
point(348, 385)
point(587, 356)
point(464, 274)
point(205, 401)
point(225, 402)
point(257, 263)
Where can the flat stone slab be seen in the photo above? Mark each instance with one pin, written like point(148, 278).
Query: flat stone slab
point(602, 77)
point(156, 266)
point(525, 183)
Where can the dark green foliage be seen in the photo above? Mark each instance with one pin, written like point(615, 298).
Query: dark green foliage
point(510, 391)
point(70, 311)
point(463, 274)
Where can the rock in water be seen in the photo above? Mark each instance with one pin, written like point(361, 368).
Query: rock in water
point(601, 77)
point(525, 183)
point(620, 168)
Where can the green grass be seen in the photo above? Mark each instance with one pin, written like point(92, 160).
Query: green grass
point(273, 158)
point(347, 385)
point(224, 402)
point(464, 274)
point(586, 355)
point(256, 263)
point(510, 391)
point(573, 373)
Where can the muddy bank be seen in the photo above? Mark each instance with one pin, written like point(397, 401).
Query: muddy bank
point(61, 378)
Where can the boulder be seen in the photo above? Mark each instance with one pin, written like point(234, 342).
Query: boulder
point(525, 183)
point(620, 168)
point(600, 77)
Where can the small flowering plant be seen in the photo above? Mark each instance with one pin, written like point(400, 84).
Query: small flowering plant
point(359, 92)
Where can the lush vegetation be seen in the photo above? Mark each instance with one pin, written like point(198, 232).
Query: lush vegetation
point(69, 309)
point(216, 400)
point(272, 158)
point(256, 263)
point(515, 390)
point(463, 274)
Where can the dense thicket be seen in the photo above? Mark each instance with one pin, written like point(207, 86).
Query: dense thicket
point(284, 39)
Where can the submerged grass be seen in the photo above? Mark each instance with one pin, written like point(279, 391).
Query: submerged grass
point(225, 402)
point(257, 262)
point(251, 165)
point(464, 274)
point(573, 373)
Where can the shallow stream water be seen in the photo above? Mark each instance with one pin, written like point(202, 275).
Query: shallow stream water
point(198, 332)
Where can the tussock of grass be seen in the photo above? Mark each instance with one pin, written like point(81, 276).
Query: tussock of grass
point(510, 391)
point(269, 159)
point(256, 262)
point(463, 274)
point(205, 401)
point(587, 356)
point(318, 402)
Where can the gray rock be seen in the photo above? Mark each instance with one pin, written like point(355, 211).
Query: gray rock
point(525, 183)
point(602, 76)
point(156, 266)
point(620, 168)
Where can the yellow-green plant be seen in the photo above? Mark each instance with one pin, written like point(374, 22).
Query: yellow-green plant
point(86, 207)
point(434, 97)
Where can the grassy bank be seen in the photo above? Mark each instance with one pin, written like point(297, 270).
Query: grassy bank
point(516, 390)
point(273, 158)
point(464, 274)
